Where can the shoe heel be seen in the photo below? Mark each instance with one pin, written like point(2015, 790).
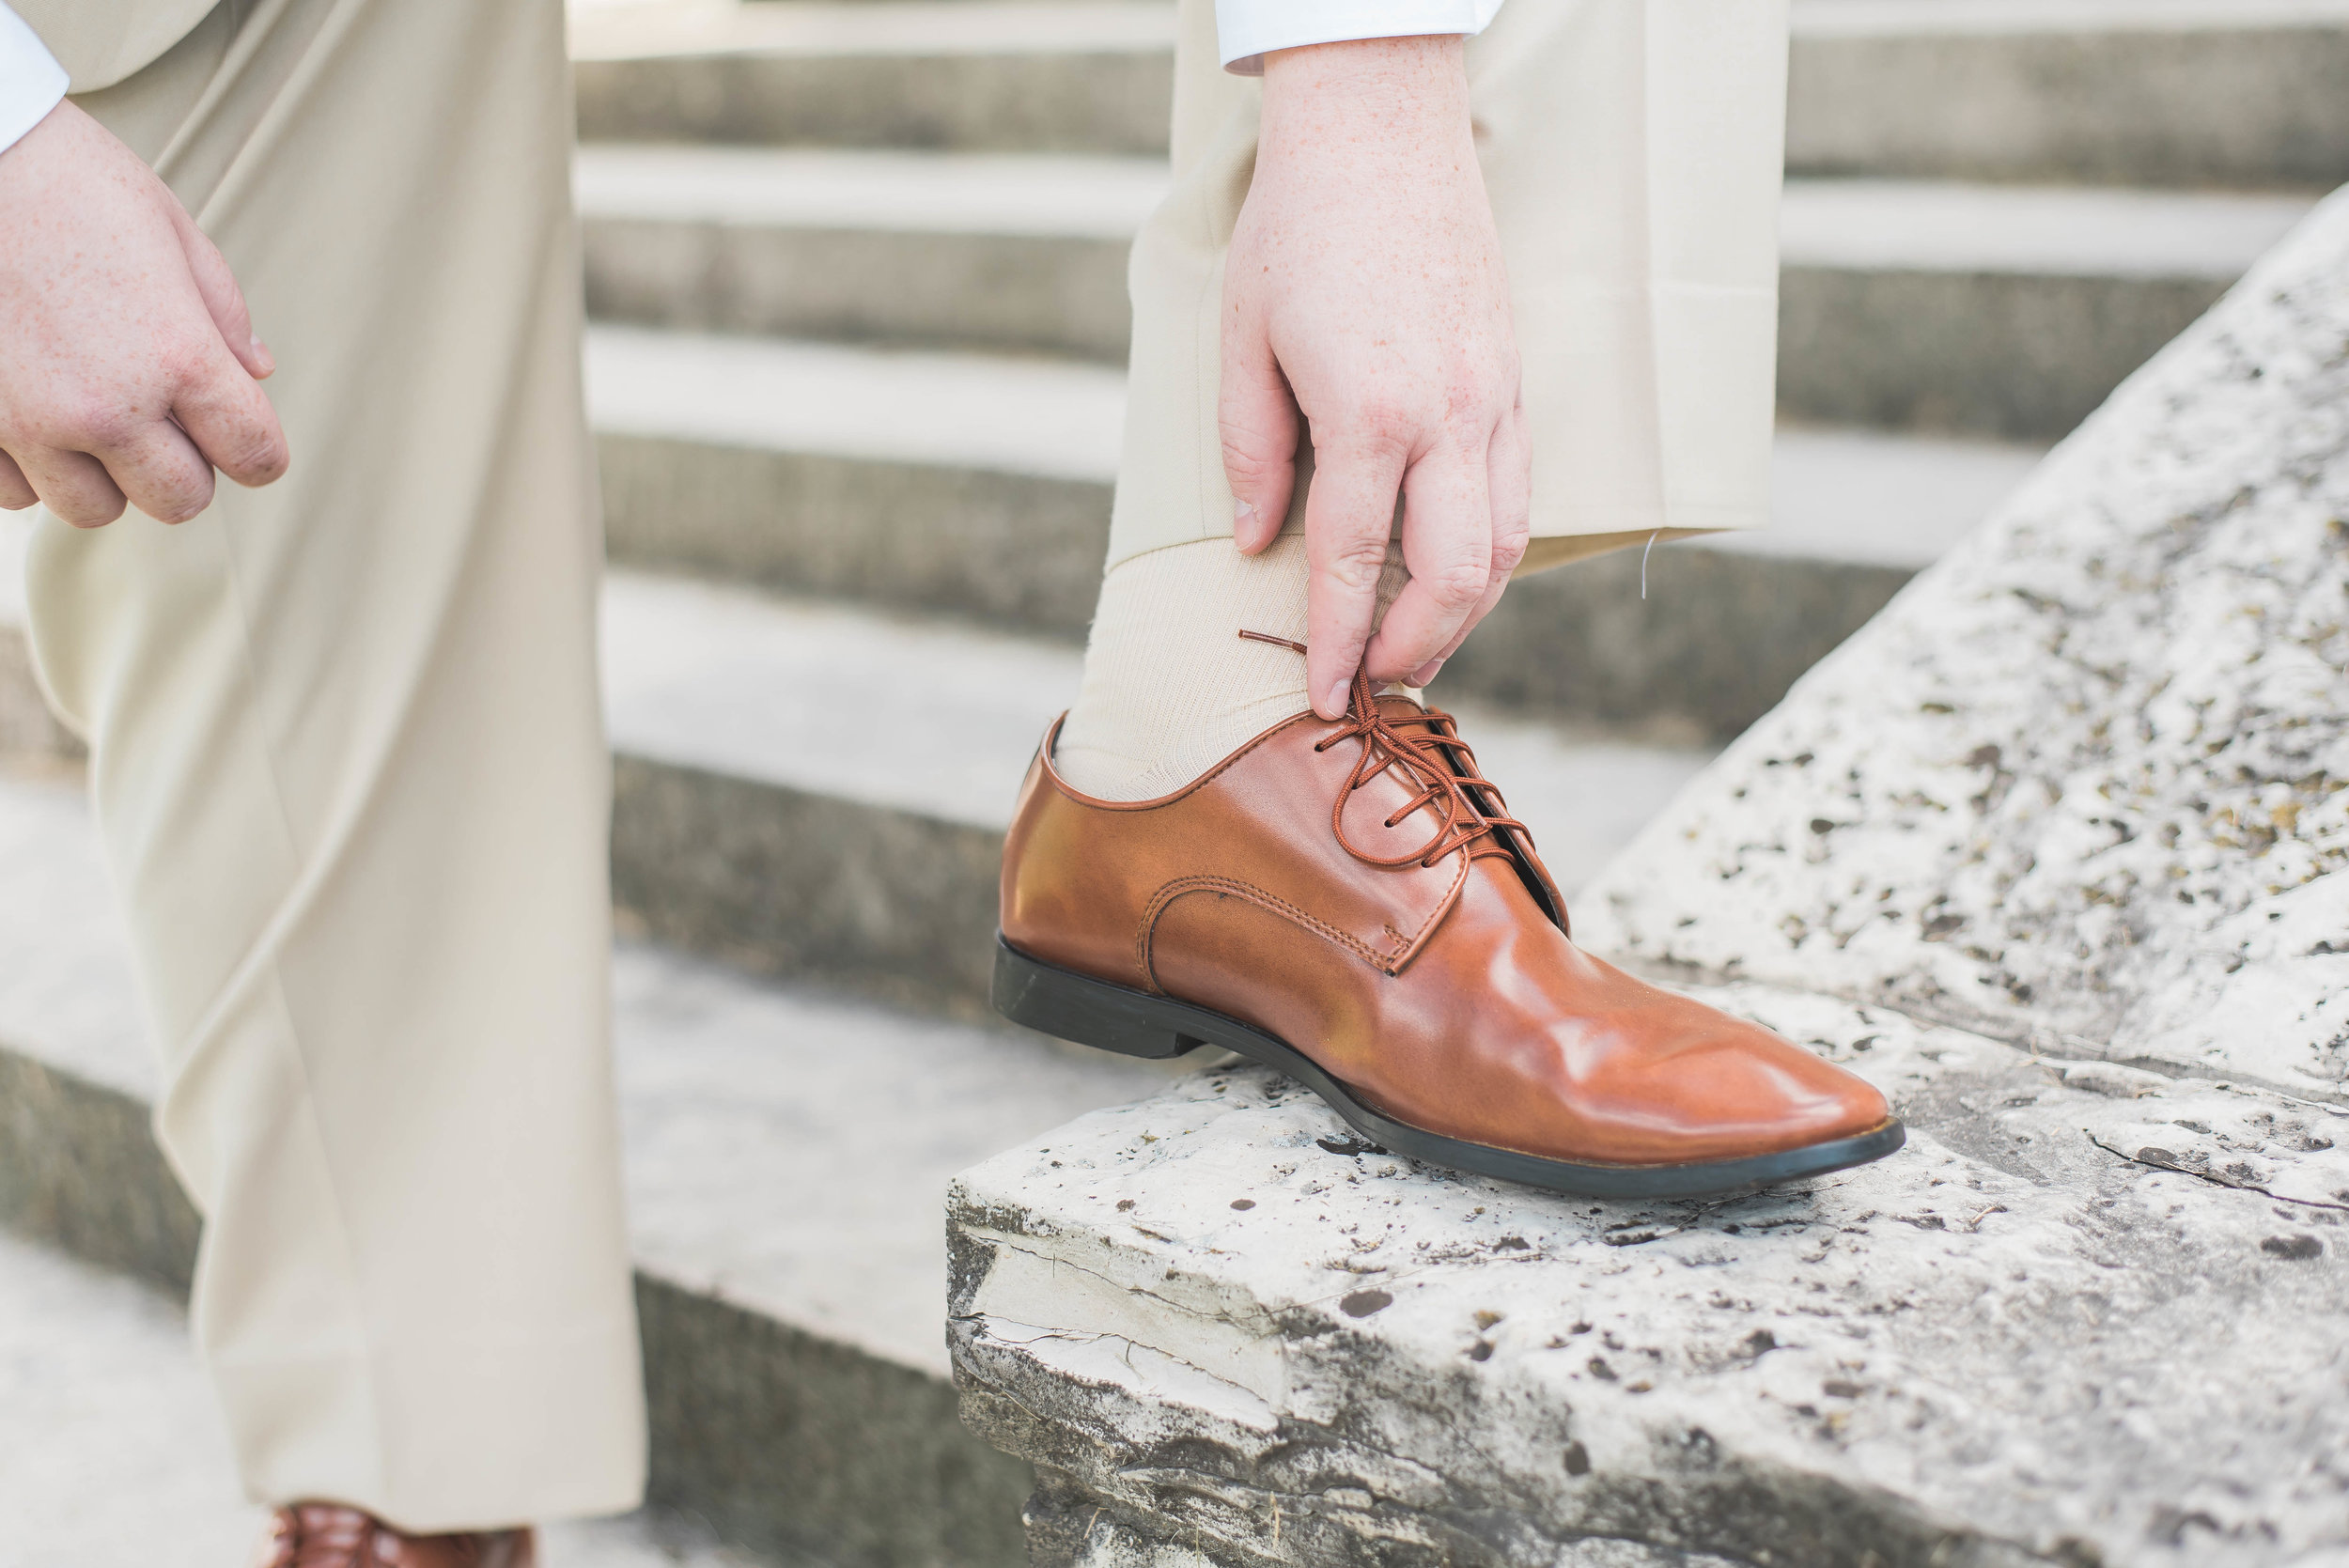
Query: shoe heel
point(1078, 1007)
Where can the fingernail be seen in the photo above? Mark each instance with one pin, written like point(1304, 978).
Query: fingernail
point(1426, 672)
point(1335, 701)
point(260, 352)
point(1242, 511)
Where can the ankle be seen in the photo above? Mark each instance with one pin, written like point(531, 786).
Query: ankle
point(1171, 687)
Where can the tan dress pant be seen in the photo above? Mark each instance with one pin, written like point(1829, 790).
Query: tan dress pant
point(348, 765)
point(1632, 150)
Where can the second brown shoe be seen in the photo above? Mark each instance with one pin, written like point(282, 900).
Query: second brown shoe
point(1346, 901)
point(333, 1535)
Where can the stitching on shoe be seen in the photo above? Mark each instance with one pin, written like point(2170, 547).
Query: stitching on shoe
point(1443, 906)
point(1385, 962)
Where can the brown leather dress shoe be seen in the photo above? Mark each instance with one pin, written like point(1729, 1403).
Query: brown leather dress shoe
point(1346, 901)
point(330, 1535)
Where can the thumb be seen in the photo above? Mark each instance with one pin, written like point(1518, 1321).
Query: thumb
point(218, 286)
point(1257, 416)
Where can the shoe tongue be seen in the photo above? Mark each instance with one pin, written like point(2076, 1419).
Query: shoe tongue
point(1511, 886)
point(1501, 869)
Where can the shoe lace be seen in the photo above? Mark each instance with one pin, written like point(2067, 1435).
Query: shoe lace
point(1426, 747)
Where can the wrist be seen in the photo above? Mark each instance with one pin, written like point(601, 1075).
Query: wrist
point(1419, 74)
point(1366, 101)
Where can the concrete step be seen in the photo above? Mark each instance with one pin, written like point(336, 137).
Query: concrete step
point(1021, 252)
point(2007, 311)
point(112, 1454)
point(2182, 92)
point(2002, 311)
point(871, 860)
point(969, 249)
point(980, 488)
point(789, 1152)
point(2241, 93)
point(1055, 76)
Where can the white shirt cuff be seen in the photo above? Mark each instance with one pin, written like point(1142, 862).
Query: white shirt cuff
point(31, 80)
point(1247, 29)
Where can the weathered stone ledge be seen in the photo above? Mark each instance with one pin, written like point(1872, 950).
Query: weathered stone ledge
point(2092, 1314)
point(2046, 851)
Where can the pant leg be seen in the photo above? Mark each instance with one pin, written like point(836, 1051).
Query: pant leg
point(348, 768)
point(1633, 152)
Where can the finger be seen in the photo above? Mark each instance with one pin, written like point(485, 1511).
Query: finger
point(1447, 543)
point(1349, 512)
point(160, 472)
point(223, 297)
point(1509, 483)
point(1508, 467)
point(229, 417)
point(16, 492)
point(72, 485)
point(1257, 415)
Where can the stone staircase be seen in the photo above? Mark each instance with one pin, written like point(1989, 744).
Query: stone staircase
point(856, 277)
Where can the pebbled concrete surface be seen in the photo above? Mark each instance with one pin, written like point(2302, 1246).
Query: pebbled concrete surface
point(1217, 1319)
point(2087, 782)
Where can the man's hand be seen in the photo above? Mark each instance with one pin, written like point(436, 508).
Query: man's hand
point(1365, 287)
point(128, 365)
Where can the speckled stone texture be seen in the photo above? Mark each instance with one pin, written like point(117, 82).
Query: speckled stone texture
point(2081, 785)
point(2042, 852)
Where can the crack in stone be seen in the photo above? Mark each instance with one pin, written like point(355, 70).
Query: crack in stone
point(1054, 1260)
point(1436, 1524)
point(1305, 1503)
point(2031, 1042)
point(2214, 1178)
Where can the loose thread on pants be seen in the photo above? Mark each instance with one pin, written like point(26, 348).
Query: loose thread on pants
point(1643, 555)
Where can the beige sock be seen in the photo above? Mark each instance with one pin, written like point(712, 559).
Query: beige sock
point(1170, 687)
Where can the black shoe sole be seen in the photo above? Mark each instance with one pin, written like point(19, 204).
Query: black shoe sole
point(1072, 1006)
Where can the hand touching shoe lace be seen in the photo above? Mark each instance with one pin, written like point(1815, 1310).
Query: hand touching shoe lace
point(1364, 292)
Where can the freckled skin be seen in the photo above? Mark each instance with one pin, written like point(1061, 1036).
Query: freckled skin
point(1365, 290)
point(128, 369)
